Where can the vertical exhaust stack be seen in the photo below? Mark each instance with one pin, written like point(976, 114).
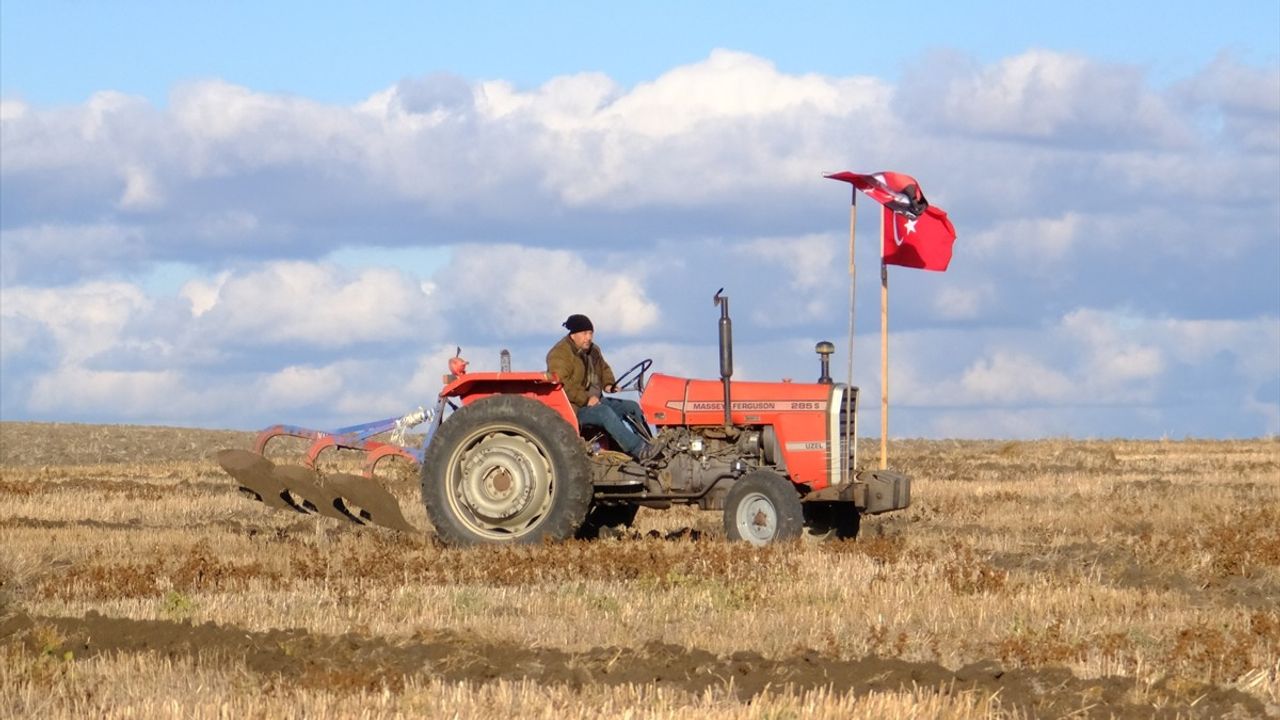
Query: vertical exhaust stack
point(824, 350)
point(726, 353)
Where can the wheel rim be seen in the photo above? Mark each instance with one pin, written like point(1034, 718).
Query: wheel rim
point(500, 483)
point(756, 519)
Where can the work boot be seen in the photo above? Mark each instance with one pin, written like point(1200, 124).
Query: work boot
point(648, 452)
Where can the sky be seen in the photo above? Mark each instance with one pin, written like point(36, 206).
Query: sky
point(236, 214)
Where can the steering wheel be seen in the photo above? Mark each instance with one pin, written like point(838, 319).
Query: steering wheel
point(633, 379)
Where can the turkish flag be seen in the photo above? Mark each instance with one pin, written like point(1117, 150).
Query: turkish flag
point(921, 242)
point(916, 234)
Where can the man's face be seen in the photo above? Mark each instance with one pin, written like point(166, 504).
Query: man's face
point(582, 340)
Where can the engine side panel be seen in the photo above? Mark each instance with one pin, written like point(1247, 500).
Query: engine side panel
point(799, 414)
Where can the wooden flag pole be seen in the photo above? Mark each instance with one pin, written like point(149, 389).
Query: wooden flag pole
point(851, 428)
point(884, 346)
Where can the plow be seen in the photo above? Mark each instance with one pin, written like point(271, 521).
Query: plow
point(342, 496)
point(504, 459)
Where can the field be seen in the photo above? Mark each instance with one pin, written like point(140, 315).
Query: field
point(1029, 579)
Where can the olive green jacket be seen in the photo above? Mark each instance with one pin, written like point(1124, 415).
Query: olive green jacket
point(575, 370)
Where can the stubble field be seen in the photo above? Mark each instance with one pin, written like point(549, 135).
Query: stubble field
point(1029, 579)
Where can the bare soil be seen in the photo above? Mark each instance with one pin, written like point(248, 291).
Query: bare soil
point(352, 661)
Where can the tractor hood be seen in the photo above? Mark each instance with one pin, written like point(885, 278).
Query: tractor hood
point(670, 400)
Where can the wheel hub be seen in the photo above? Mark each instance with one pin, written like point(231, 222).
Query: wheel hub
point(504, 481)
point(757, 519)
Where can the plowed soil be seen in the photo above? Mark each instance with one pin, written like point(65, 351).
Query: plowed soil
point(352, 661)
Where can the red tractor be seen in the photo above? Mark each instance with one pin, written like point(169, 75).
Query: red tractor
point(505, 459)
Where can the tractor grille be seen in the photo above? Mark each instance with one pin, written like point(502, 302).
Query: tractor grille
point(848, 424)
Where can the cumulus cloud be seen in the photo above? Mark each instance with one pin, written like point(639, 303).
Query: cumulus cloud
point(82, 321)
point(1115, 358)
point(299, 386)
point(1091, 360)
point(1010, 377)
point(62, 252)
point(955, 302)
point(802, 269)
point(1042, 95)
point(515, 290)
point(1039, 241)
point(308, 303)
point(1237, 100)
point(127, 395)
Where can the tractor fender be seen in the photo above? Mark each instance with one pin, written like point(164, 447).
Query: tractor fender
point(541, 386)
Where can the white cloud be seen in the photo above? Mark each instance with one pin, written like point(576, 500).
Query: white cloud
point(994, 423)
point(1118, 362)
point(808, 259)
point(1011, 377)
point(1253, 343)
point(520, 291)
point(66, 251)
point(1045, 95)
point(13, 109)
point(83, 321)
point(1041, 242)
point(203, 294)
point(133, 395)
point(300, 385)
point(311, 304)
point(140, 189)
point(1244, 98)
point(954, 302)
point(727, 85)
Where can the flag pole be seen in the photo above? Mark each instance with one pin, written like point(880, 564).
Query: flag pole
point(884, 346)
point(852, 408)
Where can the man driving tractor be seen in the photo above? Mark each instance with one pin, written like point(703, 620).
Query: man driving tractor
point(586, 377)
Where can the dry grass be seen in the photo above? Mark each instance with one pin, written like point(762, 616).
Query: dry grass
point(1031, 579)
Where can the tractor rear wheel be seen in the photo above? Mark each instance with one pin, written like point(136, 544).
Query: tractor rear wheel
point(762, 508)
point(505, 469)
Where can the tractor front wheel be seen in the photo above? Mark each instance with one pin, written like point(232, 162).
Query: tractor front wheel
point(762, 508)
point(505, 469)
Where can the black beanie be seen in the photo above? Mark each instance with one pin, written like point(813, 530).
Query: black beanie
point(578, 323)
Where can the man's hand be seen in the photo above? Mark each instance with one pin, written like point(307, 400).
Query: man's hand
point(593, 401)
point(611, 388)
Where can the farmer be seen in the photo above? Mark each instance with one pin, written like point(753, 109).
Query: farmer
point(581, 367)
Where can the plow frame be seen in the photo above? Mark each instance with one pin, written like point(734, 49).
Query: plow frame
point(356, 498)
point(359, 437)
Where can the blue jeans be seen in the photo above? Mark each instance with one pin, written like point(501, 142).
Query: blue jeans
point(608, 414)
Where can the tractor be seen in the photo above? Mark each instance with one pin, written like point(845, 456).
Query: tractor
point(504, 459)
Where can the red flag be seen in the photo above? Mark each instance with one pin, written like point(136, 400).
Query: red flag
point(921, 242)
point(916, 234)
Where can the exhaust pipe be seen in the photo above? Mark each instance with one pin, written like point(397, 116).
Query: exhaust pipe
point(726, 353)
point(824, 350)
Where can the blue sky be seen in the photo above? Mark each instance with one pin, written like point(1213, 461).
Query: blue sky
point(240, 213)
point(61, 52)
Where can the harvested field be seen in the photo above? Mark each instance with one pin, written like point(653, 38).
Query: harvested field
point(1029, 579)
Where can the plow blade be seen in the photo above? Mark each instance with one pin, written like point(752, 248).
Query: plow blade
point(374, 503)
point(292, 487)
point(256, 475)
point(304, 483)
